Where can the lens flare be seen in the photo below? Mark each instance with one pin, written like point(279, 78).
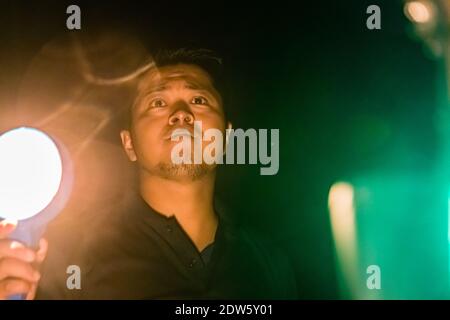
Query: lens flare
point(342, 217)
point(417, 11)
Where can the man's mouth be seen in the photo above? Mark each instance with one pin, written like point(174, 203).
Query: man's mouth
point(180, 133)
point(184, 132)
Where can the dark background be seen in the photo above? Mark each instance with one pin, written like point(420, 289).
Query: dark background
point(346, 99)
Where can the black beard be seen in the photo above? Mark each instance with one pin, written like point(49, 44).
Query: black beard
point(175, 171)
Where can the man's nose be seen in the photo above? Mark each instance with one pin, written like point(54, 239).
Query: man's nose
point(182, 115)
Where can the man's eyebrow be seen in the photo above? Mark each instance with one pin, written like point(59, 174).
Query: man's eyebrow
point(191, 85)
point(164, 86)
point(157, 88)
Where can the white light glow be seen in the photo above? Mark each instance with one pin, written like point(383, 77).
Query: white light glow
point(30, 173)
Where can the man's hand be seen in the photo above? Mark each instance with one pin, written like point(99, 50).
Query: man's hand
point(18, 264)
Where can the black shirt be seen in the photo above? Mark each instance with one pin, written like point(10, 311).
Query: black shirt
point(134, 252)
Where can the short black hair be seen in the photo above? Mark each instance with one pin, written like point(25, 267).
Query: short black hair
point(206, 59)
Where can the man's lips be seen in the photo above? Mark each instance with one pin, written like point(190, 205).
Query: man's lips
point(181, 132)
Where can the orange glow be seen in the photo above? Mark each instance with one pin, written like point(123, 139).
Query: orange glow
point(418, 11)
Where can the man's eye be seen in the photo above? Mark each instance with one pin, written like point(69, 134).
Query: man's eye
point(157, 103)
point(199, 100)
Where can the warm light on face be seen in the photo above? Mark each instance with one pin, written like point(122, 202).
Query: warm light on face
point(418, 11)
point(30, 173)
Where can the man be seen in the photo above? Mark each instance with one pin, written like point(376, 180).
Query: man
point(173, 241)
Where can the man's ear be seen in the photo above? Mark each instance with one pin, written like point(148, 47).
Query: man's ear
point(127, 144)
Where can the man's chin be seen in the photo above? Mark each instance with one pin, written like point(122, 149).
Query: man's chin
point(190, 172)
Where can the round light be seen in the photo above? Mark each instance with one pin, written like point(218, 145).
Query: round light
point(418, 11)
point(30, 173)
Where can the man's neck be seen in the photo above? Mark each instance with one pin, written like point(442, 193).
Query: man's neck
point(191, 202)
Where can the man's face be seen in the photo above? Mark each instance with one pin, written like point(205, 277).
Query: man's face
point(170, 98)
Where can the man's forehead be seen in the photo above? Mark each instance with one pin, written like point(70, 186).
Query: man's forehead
point(189, 73)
